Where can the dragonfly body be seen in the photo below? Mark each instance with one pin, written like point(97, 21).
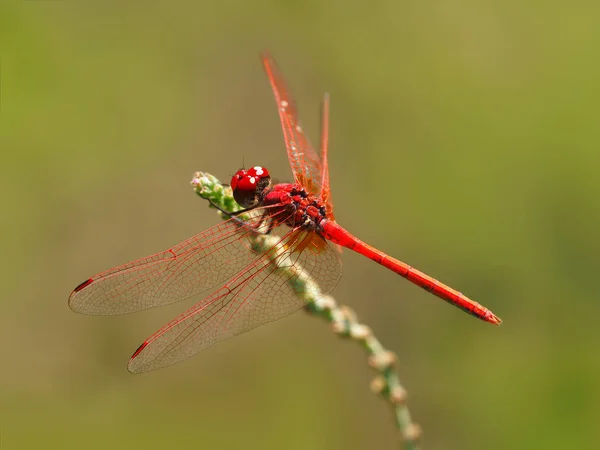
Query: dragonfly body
point(303, 209)
point(251, 288)
point(300, 209)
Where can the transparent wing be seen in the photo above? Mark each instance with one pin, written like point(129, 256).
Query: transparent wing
point(325, 187)
point(179, 272)
point(271, 287)
point(305, 163)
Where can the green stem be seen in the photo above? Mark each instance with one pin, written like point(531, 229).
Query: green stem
point(343, 320)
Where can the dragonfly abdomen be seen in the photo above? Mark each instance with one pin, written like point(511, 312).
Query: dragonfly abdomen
point(335, 233)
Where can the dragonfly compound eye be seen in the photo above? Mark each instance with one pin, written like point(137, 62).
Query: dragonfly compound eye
point(249, 185)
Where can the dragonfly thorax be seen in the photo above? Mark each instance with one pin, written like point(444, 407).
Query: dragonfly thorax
point(300, 208)
point(250, 185)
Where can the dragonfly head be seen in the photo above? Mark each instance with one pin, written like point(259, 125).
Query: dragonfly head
point(249, 185)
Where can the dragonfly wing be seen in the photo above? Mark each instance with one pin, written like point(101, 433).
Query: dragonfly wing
point(325, 187)
point(179, 272)
point(305, 162)
point(268, 289)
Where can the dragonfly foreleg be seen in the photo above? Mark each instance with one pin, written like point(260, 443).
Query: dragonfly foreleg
point(242, 223)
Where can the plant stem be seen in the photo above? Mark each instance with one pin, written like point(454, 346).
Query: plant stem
point(342, 319)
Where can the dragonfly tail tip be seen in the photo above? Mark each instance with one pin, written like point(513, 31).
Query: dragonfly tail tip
point(494, 319)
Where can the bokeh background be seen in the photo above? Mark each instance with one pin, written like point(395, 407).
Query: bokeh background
point(464, 140)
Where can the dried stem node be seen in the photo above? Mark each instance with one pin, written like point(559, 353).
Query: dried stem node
point(379, 385)
point(382, 360)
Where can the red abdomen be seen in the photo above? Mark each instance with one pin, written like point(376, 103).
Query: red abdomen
point(335, 233)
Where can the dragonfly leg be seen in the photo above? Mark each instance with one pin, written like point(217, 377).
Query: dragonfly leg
point(242, 223)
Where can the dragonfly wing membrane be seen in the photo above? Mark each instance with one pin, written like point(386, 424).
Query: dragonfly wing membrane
point(268, 289)
point(304, 161)
point(187, 269)
point(325, 185)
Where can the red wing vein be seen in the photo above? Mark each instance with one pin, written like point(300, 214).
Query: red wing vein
point(304, 161)
point(260, 293)
point(184, 270)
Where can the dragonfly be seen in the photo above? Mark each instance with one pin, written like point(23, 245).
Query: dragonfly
point(251, 288)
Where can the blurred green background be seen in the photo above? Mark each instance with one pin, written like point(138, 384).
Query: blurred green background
point(464, 141)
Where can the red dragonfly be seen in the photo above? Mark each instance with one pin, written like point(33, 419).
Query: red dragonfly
point(255, 292)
